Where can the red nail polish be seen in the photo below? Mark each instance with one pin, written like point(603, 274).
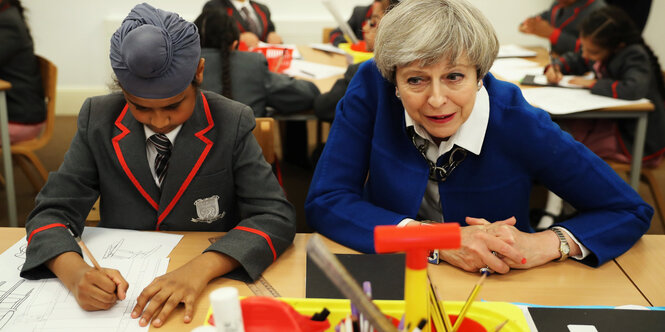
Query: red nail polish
point(523, 260)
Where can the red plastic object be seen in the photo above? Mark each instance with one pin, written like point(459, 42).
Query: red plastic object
point(279, 58)
point(360, 46)
point(416, 241)
point(266, 314)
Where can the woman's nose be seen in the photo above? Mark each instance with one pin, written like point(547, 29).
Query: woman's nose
point(437, 95)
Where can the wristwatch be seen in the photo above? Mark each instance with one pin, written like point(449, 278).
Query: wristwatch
point(564, 248)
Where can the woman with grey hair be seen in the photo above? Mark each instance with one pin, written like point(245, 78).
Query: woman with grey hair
point(425, 134)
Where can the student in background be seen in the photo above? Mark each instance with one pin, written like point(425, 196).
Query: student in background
point(244, 76)
point(252, 20)
point(560, 23)
point(361, 16)
point(163, 155)
point(624, 67)
point(325, 104)
point(426, 134)
point(19, 66)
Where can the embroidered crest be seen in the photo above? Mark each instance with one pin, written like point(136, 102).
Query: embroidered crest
point(207, 209)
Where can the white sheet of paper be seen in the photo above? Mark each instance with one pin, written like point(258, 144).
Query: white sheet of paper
point(37, 305)
point(581, 328)
point(566, 101)
point(514, 69)
point(313, 70)
point(564, 83)
point(514, 51)
point(327, 48)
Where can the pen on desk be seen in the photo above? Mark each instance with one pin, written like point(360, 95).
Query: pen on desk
point(469, 301)
point(307, 73)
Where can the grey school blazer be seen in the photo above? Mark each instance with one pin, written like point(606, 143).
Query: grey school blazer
point(254, 85)
point(217, 180)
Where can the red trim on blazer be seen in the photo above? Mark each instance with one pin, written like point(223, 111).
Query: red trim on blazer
point(196, 167)
point(578, 45)
point(43, 228)
point(614, 89)
point(334, 36)
point(565, 64)
point(260, 233)
point(123, 163)
point(624, 150)
point(264, 20)
point(554, 36)
point(553, 15)
point(229, 11)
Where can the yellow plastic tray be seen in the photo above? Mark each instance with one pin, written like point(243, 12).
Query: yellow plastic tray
point(357, 56)
point(488, 314)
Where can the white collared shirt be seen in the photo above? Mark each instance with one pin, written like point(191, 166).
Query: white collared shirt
point(469, 136)
point(151, 151)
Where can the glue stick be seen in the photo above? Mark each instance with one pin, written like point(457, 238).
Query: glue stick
point(226, 310)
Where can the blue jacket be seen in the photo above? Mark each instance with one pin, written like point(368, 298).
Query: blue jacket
point(371, 174)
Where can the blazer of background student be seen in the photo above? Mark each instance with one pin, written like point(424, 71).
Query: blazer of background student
point(254, 85)
point(215, 154)
point(18, 66)
point(566, 21)
point(358, 18)
point(262, 12)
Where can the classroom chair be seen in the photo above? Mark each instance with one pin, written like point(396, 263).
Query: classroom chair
point(24, 152)
point(263, 132)
point(326, 35)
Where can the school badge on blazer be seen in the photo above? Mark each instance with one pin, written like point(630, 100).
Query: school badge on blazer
point(207, 209)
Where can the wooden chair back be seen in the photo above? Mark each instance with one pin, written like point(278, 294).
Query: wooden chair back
point(264, 133)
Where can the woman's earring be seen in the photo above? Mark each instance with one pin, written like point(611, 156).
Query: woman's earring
point(480, 85)
point(397, 94)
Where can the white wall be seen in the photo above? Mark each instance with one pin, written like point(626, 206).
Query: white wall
point(75, 34)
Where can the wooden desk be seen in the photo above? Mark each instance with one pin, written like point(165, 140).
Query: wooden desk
point(7, 155)
point(644, 266)
point(567, 283)
point(637, 111)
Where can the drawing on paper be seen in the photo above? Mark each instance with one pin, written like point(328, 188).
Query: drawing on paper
point(115, 250)
point(10, 301)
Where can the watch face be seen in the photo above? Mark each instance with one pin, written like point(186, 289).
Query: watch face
point(565, 249)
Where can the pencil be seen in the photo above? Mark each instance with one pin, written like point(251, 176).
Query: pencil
point(467, 305)
point(439, 307)
point(85, 249)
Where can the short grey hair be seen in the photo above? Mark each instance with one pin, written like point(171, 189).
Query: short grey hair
point(427, 30)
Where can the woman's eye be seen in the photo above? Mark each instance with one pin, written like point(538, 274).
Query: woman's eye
point(455, 77)
point(414, 80)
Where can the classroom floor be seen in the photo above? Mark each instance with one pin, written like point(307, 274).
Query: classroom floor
point(296, 178)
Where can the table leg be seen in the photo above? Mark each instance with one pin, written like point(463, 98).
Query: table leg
point(638, 151)
point(7, 160)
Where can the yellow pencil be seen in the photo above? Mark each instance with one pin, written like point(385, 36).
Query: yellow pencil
point(439, 306)
point(467, 305)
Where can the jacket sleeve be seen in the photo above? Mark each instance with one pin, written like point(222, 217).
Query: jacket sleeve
point(267, 220)
point(326, 103)
point(610, 216)
point(336, 206)
point(633, 81)
point(572, 63)
point(64, 202)
point(287, 94)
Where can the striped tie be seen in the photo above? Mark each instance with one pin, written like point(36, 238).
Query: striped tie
point(253, 27)
point(163, 146)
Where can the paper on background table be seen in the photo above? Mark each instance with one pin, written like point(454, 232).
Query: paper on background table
point(564, 83)
point(313, 70)
point(514, 51)
point(566, 101)
point(327, 48)
point(46, 305)
point(514, 69)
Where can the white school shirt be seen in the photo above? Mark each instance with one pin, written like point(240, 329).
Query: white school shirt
point(151, 151)
point(469, 136)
